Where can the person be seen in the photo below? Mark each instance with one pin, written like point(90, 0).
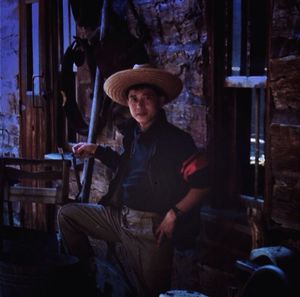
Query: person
point(158, 180)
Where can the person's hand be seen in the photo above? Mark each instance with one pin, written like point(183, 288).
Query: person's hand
point(84, 149)
point(166, 227)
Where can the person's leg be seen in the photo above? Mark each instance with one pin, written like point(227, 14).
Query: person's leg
point(78, 221)
point(152, 265)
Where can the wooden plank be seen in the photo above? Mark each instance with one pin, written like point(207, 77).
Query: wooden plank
point(35, 195)
point(13, 173)
point(36, 199)
point(25, 161)
point(32, 191)
point(65, 182)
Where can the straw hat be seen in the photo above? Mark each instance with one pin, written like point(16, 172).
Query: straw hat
point(117, 84)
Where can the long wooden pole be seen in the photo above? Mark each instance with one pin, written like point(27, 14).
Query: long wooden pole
point(89, 163)
point(98, 98)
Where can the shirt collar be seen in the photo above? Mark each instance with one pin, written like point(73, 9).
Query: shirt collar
point(154, 128)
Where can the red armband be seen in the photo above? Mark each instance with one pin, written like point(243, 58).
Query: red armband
point(194, 163)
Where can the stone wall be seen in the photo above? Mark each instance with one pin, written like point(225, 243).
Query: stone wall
point(178, 39)
point(9, 69)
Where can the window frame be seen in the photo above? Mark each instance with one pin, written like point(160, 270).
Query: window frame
point(224, 159)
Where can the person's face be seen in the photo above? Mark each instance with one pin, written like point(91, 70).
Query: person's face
point(144, 105)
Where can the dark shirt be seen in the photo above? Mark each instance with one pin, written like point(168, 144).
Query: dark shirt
point(136, 187)
point(149, 171)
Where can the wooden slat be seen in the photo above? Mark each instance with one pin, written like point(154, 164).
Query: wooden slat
point(43, 175)
point(24, 161)
point(65, 182)
point(31, 194)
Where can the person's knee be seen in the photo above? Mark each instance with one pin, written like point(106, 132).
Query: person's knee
point(67, 211)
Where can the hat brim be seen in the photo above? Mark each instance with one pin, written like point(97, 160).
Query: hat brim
point(117, 84)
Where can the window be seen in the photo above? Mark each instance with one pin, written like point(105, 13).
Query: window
point(238, 106)
point(34, 77)
point(67, 31)
point(68, 24)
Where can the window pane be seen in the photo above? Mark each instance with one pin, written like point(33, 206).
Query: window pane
point(29, 47)
point(69, 26)
point(32, 19)
point(247, 40)
point(257, 126)
point(236, 37)
point(35, 44)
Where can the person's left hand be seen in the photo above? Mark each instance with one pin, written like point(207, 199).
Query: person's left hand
point(166, 227)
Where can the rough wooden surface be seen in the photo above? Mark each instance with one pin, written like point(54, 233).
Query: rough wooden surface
point(284, 129)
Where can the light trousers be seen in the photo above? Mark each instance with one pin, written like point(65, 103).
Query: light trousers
point(151, 265)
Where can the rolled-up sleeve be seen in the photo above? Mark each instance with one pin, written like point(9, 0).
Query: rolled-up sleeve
point(195, 170)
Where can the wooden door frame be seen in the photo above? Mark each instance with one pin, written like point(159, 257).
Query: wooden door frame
point(38, 128)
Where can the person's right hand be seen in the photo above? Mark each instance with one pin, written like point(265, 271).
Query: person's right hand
point(84, 149)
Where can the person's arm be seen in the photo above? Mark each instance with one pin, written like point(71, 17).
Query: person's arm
point(191, 199)
point(108, 156)
point(84, 149)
